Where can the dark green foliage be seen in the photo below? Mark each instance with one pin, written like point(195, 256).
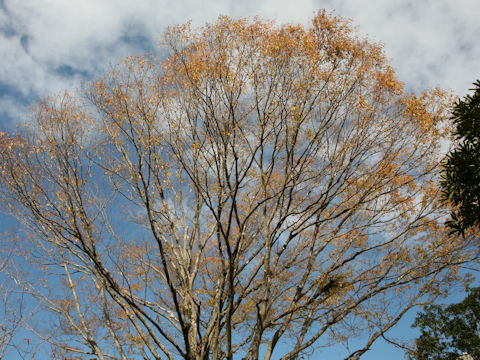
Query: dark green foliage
point(446, 332)
point(461, 174)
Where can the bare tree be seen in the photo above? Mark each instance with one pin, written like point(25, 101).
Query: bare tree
point(11, 301)
point(260, 185)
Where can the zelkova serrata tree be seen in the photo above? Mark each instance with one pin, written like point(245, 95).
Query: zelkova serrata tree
point(11, 311)
point(261, 191)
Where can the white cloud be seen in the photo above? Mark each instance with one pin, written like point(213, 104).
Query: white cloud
point(430, 42)
point(50, 45)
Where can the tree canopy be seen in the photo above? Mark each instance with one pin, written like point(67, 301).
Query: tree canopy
point(449, 331)
point(461, 175)
point(259, 191)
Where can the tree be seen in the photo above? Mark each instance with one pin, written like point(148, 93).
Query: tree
point(10, 305)
point(449, 331)
point(461, 174)
point(260, 191)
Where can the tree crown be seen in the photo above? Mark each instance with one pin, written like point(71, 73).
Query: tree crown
point(260, 184)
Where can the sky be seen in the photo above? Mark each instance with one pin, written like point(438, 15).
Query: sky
point(47, 46)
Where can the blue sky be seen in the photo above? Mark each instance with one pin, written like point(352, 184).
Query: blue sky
point(47, 46)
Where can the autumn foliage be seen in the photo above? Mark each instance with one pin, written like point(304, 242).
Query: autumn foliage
point(261, 190)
